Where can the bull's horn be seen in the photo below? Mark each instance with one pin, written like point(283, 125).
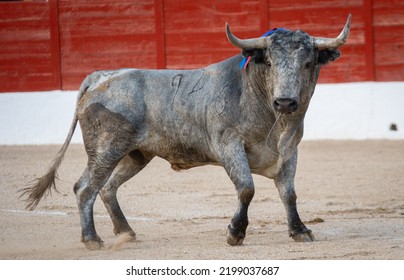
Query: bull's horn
point(333, 43)
point(257, 43)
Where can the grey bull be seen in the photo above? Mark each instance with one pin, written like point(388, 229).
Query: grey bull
point(246, 120)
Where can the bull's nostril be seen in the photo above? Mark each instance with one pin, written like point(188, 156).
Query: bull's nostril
point(293, 105)
point(285, 105)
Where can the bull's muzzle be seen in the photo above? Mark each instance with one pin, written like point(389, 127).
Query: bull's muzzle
point(285, 105)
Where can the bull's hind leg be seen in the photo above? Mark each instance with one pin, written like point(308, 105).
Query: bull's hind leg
point(108, 138)
point(86, 189)
point(128, 167)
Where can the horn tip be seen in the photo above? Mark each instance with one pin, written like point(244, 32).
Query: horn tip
point(348, 20)
point(227, 26)
point(348, 24)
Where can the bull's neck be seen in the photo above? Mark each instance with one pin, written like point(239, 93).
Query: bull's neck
point(281, 133)
point(256, 95)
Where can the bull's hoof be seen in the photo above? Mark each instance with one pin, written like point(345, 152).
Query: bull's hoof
point(123, 239)
point(234, 237)
point(94, 244)
point(125, 232)
point(131, 233)
point(304, 237)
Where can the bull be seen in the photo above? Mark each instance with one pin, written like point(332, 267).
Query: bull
point(248, 121)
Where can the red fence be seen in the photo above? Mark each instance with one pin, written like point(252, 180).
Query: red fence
point(29, 46)
point(54, 44)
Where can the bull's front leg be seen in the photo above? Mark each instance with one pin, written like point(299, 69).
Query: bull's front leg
point(285, 184)
point(235, 162)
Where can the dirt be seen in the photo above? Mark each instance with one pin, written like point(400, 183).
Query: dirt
point(350, 194)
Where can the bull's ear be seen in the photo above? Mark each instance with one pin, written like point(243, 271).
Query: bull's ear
point(325, 56)
point(257, 55)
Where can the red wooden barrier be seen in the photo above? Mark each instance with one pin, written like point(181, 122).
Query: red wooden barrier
point(29, 46)
point(388, 23)
point(54, 44)
point(105, 34)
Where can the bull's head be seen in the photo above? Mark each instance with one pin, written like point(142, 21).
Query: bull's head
point(290, 62)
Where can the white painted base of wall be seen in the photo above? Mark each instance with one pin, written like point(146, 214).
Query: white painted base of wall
point(37, 117)
point(337, 111)
point(356, 111)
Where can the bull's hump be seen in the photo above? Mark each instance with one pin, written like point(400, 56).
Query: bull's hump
point(100, 78)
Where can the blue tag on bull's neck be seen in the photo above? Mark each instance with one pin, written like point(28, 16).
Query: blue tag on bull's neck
point(244, 62)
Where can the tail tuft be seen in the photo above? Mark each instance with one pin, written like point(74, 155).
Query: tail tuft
point(41, 186)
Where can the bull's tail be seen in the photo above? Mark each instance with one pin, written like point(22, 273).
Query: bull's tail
point(44, 184)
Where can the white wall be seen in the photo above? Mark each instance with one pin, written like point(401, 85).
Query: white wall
point(356, 111)
point(37, 117)
point(337, 111)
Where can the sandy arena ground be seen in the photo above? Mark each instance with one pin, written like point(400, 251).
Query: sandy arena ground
point(350, 194)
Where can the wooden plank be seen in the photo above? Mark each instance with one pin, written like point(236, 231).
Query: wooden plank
point(160, 34)
point(326, 19)
point(195, 34)
point(369, 40)
point(27, 54)
point(264, 15)
point(55, 44)
point(388, 25)
point(105, 35)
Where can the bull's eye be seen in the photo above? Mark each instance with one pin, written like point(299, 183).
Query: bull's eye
point(307, 65)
